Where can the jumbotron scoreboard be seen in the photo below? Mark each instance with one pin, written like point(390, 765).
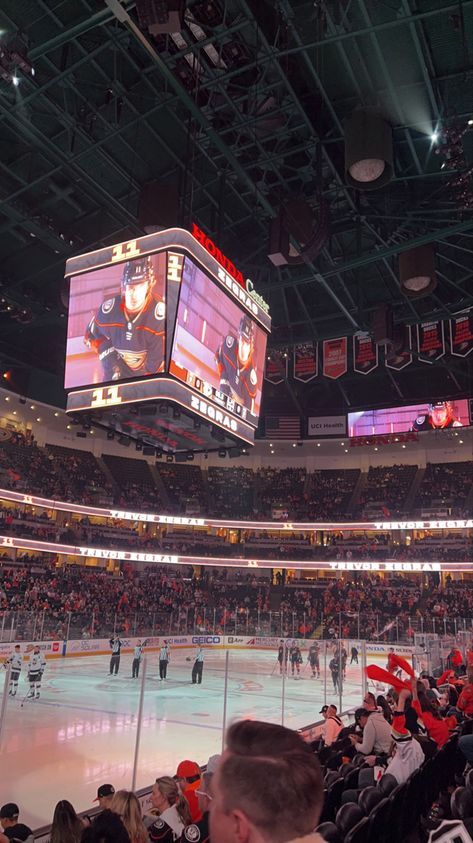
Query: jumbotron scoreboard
point(166, 343)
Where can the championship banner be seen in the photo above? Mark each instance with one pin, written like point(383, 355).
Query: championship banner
point(275, 370)
point(365, 354)
point(461, 334)
point(335, 357)
point(398, 360)
point(430, 341)
point(305, 362)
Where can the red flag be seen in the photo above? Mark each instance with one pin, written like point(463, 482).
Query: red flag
point(399, 661)
point(445, 676)
point(379, 674)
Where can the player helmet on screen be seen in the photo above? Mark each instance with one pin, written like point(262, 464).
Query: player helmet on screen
point(246, 328)
point(136, 272)
point(137, 282)
point(442, 415)
point(245, 339)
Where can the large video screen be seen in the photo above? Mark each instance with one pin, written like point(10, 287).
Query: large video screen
point(218, 349)
point(116, 325)
point(435, 416)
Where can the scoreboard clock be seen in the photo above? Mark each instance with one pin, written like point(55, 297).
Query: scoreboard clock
point(166, 342)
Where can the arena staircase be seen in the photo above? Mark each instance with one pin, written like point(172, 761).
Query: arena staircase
point(207, 496)
point(360, 486)
point(411, 502)
point(161, 487)
point(275, 597)
point(469, 501)
point(108, 474)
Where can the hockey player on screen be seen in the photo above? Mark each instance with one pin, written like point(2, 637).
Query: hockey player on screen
point(15, 661)
point(439, 415)
point(238, 378)
point(127, 332)
point(36, 666)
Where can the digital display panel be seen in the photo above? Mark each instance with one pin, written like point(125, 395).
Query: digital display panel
point(218, 349)
point(117, 326)
point(437, 415)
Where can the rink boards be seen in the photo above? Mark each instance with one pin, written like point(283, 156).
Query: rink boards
point(101, 646)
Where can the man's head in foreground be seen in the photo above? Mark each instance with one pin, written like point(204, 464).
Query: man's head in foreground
point(268, 786)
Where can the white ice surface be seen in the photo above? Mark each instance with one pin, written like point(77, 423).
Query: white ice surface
point(82, 731)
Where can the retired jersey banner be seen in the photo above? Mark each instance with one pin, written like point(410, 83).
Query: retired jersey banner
point(335, 357)
point(398, 360)
point(461, 334)
point(305, 362)
point(430, 341)
point(365, 354)
point(276, 366)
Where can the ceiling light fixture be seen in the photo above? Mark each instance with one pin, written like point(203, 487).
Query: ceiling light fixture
point(368, 150)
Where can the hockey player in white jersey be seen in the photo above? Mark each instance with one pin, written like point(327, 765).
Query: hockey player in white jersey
point(15, 661)
point(36, 666)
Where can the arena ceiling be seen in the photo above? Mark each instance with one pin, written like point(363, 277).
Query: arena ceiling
point(243, 110)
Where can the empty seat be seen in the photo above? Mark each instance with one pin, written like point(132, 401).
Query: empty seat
point(368, 798)
point(359, 833)
point(387, 783)
point(348, 816)
point(329, 832)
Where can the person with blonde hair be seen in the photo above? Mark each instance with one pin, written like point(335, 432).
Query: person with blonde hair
point(173, 809)
point(126, 805)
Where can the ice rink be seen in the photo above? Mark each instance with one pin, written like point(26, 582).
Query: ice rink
point(82, 731)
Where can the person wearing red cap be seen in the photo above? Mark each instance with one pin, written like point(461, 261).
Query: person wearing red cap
point(188, 777)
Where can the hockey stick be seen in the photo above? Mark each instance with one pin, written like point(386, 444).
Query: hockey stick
point(27, 696)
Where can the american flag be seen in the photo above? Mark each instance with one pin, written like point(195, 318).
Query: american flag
point(283, 427)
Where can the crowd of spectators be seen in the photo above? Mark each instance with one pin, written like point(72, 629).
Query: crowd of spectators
point(386, 489)
point(37, 599)
point(227, 492)
point(446, 486)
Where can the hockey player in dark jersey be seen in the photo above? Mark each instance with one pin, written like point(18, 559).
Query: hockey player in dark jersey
point(296, 659)
point(238, 378)
point(439, 416)
point(314, 660)
point(127, 332)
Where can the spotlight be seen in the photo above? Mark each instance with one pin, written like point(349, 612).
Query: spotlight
point(417, 274)
point(110, 434)
point(368, 150)
point(176, 413)
point(190, 456)
point(159, 453)
point(222, 452)
point(434, 137)
point(138, 446)
point(169, 458)
point(15, 80)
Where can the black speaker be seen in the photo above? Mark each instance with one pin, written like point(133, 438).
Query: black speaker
point(382, 325)
point(278, 248)
point(158, 206)
point(148, 450)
